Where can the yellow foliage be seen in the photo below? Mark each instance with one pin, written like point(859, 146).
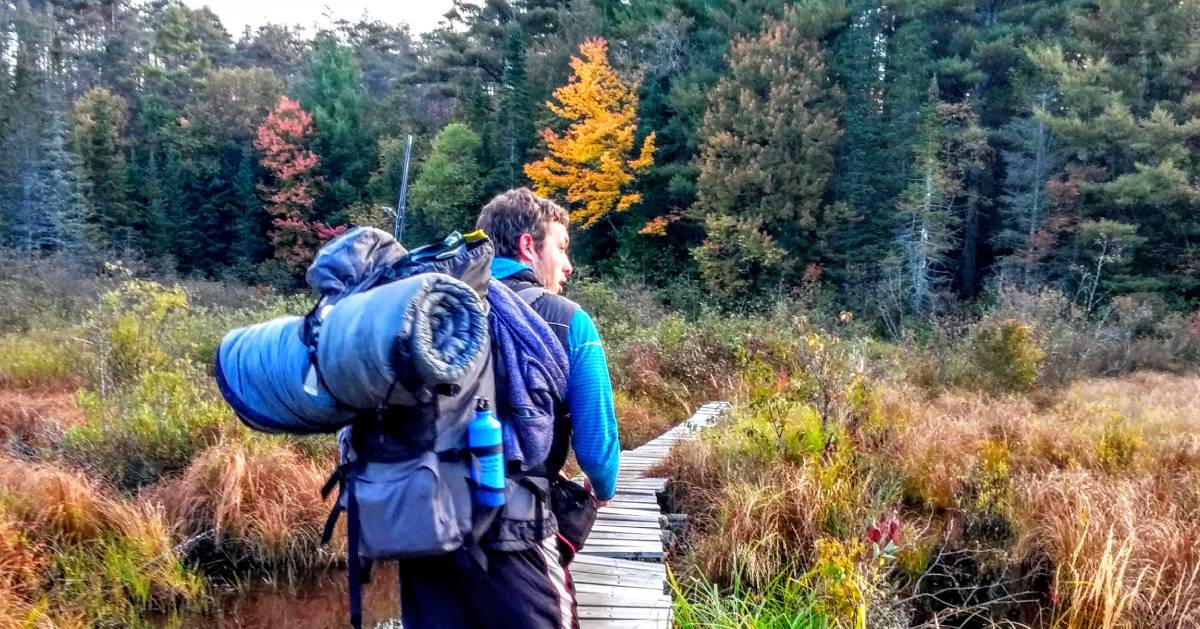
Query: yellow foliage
point(592, 163)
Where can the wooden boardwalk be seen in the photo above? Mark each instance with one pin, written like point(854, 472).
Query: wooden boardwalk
point(620, 580)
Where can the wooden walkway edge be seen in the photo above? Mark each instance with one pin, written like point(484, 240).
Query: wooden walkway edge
point(620, 580)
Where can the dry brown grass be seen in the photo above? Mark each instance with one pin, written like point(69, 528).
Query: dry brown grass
point(1122, 553)
point(84, 553)
point(1096, 485)
point(58, 503)
point(640, 419)
point(36, 418)
point(258, 501)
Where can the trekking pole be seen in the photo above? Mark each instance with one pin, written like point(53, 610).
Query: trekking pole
point(402, 204)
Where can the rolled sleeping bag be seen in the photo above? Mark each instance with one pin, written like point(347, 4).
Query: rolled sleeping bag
point(402, 342)
point(264, 372)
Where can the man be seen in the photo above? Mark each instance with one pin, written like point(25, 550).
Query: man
point(530, 588)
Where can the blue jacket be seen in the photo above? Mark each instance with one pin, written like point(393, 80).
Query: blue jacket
point(589, 396)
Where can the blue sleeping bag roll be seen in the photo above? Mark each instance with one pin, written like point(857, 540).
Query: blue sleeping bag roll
point(402, 342)
point(261, 371)
point(399, 343)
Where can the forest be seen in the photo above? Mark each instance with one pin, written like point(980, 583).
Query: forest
point(938, 254)
point(903, 156)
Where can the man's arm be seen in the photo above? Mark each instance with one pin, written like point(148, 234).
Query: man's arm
point(593, 419)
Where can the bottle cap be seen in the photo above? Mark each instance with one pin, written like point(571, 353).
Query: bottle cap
point(481, 404)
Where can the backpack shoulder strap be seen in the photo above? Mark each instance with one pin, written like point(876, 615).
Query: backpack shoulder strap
point(531, 294)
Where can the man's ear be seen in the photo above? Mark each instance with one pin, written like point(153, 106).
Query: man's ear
point(526, 248)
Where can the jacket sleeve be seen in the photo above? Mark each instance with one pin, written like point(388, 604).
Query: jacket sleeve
point(590, 396)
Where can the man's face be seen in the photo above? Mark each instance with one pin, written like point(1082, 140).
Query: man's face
point(550, 262)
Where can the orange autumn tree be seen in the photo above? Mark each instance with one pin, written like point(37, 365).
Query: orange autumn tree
point(592, 164)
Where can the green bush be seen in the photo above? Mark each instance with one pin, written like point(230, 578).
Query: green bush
point(153, 427)
point(39, 357)
point(1005, 355)
point(133, 330)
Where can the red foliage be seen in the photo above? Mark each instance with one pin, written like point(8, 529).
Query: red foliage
point(281, 141)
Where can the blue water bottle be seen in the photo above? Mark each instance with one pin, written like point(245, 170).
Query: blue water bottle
point(486, 441)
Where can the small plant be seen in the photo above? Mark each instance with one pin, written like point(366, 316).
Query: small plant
point(39, 358)
point(1119, 445)
point(1005, 355)
point(991, 480)
point(153, 427)
point(132, 331)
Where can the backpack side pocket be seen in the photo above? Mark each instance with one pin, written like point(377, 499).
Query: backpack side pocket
point(405, 509)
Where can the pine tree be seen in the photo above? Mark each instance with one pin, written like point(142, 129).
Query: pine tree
point(1031, 160)
point(57, 209)
point(1127, 115)
point(769, 132)
point(592, 165)
point(332, 92)
point(949, 146)
point(98, 121)
point(515, 114)
point(249, 226)
point(447, 193)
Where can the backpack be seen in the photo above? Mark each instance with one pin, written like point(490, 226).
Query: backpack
point(403, 479)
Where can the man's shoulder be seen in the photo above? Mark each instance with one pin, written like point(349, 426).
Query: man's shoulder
point(556, 308)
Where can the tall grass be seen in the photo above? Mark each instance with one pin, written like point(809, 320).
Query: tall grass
point(253, 504)
point(95, 558)
point(782, 603)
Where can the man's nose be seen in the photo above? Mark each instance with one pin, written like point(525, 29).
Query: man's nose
point(567, 268)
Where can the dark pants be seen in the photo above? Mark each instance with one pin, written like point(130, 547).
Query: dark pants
point(519, 589)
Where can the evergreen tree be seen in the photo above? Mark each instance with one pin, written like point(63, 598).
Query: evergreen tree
point(98, 121)
point(1127, 112)
point(447, 193)
point(332, 92)
point(1030, 161)
point(768, 154)
point(515, 113)
point(949, 146)
point(55, 207)
point(249, 225)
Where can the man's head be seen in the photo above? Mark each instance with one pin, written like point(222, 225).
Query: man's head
point(531, 230)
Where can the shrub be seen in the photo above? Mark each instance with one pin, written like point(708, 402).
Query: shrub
point(1119, 445)
point(39, 358)
point(155, 426)
point(133, 330)
point(1005, 355)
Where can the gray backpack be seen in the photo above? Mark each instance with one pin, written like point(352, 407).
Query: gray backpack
point(404, 475)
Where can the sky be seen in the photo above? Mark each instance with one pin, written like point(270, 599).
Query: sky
point(421, 15)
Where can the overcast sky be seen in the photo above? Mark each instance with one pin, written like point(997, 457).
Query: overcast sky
point(421, 15)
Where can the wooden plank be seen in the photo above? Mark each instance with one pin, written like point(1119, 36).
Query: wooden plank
point(626, 612)
point(649, 582)
point(622, 513)
point(624, 597)
point(626, 623)
point(618, 592)
point(639, 534)
point(585, 562)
